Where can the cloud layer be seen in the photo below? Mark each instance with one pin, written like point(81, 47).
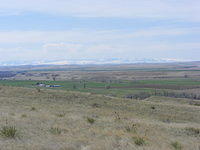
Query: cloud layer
point(179, 9)
point(94, 32)
point(82, 44)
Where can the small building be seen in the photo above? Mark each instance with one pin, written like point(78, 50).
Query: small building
point(40, 84)
point(55, 85)
point(47, 85)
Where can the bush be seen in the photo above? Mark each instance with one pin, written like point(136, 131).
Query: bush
point(144, 95)
point(33, 108)
point(55, 131)
point(117, 117)
point(128, 129)
point(90, 120)
point(132, 128)
point(176, 145)
point(38, 90)
point(23, 115)
point(107, 86)
point(194, 103)
point(193, 131)
point(95, 105)
point(8, 131)
point(61, 115)
point(140, 96)
point(139, 141)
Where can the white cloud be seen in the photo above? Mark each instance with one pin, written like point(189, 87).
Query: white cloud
point(61, 46)
point(65, 51)
point(71, 44)
point(179, 9)
point(90, 36)
point(82, 44)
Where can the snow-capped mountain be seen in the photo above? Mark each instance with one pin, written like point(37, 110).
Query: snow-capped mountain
point(92, 61)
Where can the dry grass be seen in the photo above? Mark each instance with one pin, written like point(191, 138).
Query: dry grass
point(119, 124)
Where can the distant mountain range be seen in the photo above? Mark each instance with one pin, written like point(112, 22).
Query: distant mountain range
point(91, 61)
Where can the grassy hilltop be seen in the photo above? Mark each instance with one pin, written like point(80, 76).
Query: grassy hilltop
point(41, 119)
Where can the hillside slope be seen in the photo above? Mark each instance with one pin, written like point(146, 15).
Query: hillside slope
point(61, 120)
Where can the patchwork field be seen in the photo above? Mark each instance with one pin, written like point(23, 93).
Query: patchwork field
point(115, 88)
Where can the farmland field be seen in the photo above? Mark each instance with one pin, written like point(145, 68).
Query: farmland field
point(116, 88)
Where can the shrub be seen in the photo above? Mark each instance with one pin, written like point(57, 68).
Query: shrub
point(84, 85)
point(128, 129)
point(38, 90)
point(193, 131)
point(95, 105)
point(107, 87)
point(74, 86)
point(8, 131)
point(55, 130)
point(61, 115)
point(176, 145)
point(12, 114)
point(167, 120)
point(132, 128)
point(139, 141)
point(117, 117)
point(194, 103)
point(23, 115)
point(90, 120)
point(144, 95)
point(139, 96)
point(33, 108)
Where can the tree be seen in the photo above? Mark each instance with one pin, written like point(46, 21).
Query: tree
point(74, 86)
point(107, 87)
point(54, 76)
point(84, 85)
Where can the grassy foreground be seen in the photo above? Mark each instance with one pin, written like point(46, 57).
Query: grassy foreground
point(63, 120)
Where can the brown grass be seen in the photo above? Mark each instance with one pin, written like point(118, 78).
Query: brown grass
point(152, 129)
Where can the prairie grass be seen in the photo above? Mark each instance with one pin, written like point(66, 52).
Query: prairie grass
point(139, 141)
point(116, 124)
point(8, 131)
point(55, 130)
point(176, 145)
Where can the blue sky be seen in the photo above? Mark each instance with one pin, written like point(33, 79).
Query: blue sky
point(49, 30)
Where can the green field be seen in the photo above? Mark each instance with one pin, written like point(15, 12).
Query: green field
point(116, 88)
point(92, 87)
point(171, 82)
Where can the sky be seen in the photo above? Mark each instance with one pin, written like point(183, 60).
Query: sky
point(57, 30)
